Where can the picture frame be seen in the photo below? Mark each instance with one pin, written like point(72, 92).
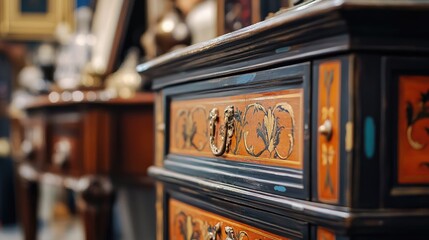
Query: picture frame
point(229, 15)
point(115, 14)
point(236, 14)
point(34, 20)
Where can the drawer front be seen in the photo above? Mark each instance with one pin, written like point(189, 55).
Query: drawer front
point(249, 130)
point(187, 222)
point(267, 127)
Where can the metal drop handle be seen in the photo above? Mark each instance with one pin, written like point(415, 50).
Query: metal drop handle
point(226, 131)
point(215, 231)
point(230, 234)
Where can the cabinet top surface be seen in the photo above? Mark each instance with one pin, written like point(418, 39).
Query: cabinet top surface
point(68, 98)
point(333, 21)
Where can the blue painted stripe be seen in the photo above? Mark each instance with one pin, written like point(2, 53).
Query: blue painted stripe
point(246, 78)
point(280, 188)
point(283, 49)
point(369, 137)
point(82, 3)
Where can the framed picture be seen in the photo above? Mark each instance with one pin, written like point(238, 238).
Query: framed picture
point(109, 26)
point(33, 19)
point(236, 14)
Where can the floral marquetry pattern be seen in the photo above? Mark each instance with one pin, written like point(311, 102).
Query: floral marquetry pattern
point(190, 223)
point(267, 128)
point(413, 129)
point(329, 131)
point(189, 128)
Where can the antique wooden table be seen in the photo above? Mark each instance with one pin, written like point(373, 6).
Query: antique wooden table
point(313, 124)
point(85, 142)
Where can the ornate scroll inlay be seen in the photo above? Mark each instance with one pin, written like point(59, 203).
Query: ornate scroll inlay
point(328, 137)
point(413, 129)
point(189, 128)
point(266, 127)
point(415, 115)
point(193, 228)
point(269, 130)
point(190, 223)
point(328, 154)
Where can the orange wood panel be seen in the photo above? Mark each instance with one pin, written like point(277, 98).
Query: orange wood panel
point(328, 150)
point(413, 130)
point(188, 222)
point(268, 127)
point(325, 234)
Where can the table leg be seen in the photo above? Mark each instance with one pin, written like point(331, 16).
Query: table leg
point(95, 204)
point(27, 206)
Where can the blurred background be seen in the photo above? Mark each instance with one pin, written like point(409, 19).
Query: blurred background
point(67, 45)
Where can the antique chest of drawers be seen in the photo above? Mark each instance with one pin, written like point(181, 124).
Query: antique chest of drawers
point(313, 124)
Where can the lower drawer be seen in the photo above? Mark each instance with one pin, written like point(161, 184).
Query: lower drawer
point(189, 222)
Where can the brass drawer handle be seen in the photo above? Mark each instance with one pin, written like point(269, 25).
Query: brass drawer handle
point(213, 232)
point(230, 235)
point(226, 131)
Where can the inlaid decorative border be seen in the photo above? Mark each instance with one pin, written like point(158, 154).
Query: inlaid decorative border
point(328, 147)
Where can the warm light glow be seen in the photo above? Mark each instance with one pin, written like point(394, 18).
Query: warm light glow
point(167, 25)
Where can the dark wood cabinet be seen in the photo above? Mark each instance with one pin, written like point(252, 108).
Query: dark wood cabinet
point(87, 145)
point(312, 124)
